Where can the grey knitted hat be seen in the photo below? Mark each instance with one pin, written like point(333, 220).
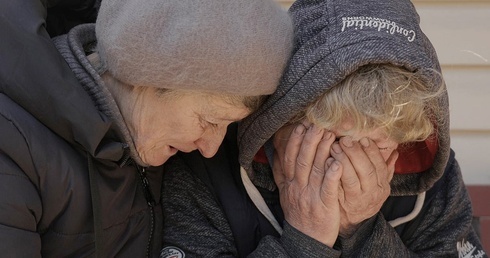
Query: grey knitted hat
point(236, 47)
point(335, 38)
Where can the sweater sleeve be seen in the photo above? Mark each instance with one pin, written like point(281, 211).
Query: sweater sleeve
point(445, 229)
point(293, 243)
point(193, 222)
point(196, 226)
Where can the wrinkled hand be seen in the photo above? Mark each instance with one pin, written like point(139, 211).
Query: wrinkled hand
point(308, 184)
point(365, 182)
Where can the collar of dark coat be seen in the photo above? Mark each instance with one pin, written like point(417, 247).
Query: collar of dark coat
point(87, 109)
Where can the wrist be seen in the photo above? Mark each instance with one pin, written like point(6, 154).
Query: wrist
point(298, 244)
point(349, 230)
point(327, 237)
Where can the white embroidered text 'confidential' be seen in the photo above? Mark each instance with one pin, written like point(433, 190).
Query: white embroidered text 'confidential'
point(379, 24)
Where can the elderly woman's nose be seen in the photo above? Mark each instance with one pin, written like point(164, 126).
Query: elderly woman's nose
point(209, 143)
point(208, 147)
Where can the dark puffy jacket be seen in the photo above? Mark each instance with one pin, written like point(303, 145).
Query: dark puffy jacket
point(64, 172)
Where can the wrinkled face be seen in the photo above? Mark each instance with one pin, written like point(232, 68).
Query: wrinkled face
point(385, 144)
point(163, 125)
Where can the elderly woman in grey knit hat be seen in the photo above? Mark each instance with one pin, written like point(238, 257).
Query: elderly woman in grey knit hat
point(80, 159)
point(188, 69)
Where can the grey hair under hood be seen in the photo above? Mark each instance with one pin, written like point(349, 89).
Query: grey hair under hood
point(333, 39)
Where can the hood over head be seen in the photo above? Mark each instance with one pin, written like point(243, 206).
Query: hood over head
point(333, 39)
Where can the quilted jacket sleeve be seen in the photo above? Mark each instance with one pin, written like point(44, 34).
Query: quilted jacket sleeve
point(27, 55)
point(20, 203)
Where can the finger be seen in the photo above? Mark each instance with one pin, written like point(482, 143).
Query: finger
point(341, 194)
point(362, 163)
point(349, 180)
point(282, 135)
point(278, 172)
point(306, 155)
point(288, 148)
point(331, 185)
point(322, 153)
point(376, 157)
point(281, 138)
point(391, 164)
point(329, 162)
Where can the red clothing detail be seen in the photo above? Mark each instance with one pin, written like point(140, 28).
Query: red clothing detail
point(260, 157)
point(415, 158)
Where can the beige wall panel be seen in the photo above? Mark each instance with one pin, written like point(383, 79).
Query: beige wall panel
point(460, 32)
point(469, 97)
point(473, 154)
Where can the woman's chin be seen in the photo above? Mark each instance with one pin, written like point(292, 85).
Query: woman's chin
point(160, 158)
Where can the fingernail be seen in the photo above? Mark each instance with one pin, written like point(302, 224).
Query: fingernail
point(347, 141)
point(300, 129)
point(306, 123)
point(315, 129)
point(335, 166)
point(364, 142)
point(336, 148)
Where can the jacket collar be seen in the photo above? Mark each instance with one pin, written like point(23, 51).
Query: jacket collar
point(101, 128)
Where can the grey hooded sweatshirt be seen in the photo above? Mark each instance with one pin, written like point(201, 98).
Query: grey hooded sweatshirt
point(428, 213)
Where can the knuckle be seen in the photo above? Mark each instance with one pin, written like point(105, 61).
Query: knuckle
point(371, 172)
point(301, 163)
point(350, 183)
point(317, 170)
point(288, 161)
